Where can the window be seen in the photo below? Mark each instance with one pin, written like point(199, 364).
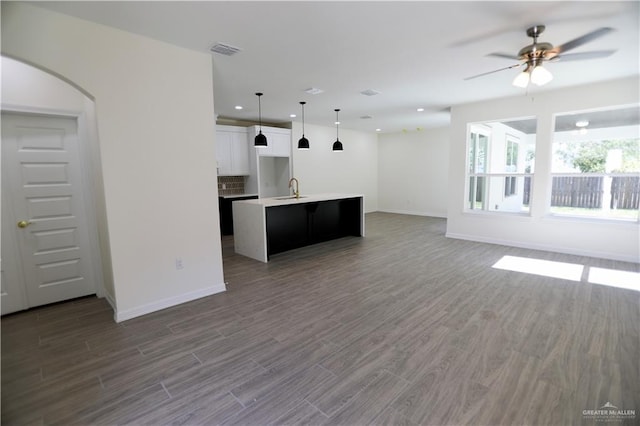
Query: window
point(499, 175)
point(596, 164)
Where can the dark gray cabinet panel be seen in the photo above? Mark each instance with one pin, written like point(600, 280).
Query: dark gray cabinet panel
point(297, 225)
point(225, 207)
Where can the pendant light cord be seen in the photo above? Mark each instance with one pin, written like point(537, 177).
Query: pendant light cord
point(337, 124)
point(259, 95)
point(259, 113)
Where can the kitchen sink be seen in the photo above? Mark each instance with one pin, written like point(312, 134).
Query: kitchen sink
point(290, 197)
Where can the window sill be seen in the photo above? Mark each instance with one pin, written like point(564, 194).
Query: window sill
point(586, 219)
point(497, 213)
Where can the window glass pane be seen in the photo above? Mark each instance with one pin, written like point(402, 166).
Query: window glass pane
point(596, 164)
point(516, 202)
point(481, 160)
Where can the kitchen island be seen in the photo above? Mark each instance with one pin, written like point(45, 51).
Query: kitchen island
point(267, 226)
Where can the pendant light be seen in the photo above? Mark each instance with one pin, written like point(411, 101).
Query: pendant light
point(303, 143)
point(260, 140)
point(337, 145)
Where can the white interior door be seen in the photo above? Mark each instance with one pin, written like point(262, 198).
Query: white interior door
point(44, 225)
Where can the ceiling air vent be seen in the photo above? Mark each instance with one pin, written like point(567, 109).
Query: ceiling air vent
point(370, 92)
point(225, 49)
point(313, 91)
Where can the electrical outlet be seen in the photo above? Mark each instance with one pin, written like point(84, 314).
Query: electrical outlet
point(179, 264)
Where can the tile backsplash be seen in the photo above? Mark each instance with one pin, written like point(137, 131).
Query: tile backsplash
point(233, 185)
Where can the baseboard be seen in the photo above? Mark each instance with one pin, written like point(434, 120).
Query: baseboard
point(544, 247)
point(111, 302)
point(414, 213)
point(123, 315)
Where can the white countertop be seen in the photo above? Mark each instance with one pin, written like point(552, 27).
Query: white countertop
point(304, 198)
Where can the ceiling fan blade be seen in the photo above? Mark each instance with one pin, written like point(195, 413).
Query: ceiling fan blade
point(491, 72)
point(582, 40)
point(504, 55)
point(580, 56)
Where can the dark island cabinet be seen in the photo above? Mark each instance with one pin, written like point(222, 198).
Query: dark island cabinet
point(297, 225)
point(225, 206)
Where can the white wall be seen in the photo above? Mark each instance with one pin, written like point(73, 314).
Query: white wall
point(352, 171)
point(539, 230)
point(25, 88)
point(155, 122)
point(413, 172)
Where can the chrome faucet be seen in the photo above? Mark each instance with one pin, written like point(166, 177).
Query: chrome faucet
point(296, 192)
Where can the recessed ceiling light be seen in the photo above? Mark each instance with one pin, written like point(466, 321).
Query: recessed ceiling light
point(582, 123)
point(378, 130)
point(292, 115)
point(313, 91)
point(420, 109)
point(238, 107)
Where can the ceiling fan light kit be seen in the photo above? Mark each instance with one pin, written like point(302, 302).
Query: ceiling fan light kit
point(537, 75)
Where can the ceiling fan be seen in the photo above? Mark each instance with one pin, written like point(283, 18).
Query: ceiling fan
point(534, 55)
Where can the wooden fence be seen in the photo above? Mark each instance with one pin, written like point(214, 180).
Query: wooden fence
point(625, 192)
point(579, 191)
point(587, 192)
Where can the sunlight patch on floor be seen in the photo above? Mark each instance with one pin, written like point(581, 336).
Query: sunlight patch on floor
point(614, 278)
point(546, 268)
point(570, 271)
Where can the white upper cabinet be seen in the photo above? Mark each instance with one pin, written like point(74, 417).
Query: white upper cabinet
point(278, 141)
point(232, 151)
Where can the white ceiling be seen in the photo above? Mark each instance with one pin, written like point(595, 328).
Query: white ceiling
point(416, 54)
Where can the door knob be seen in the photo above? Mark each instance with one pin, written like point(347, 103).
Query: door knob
point(23, 224)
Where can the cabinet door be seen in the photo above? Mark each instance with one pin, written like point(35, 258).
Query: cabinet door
point(281, 145)
point(278, 144)
point(224, 142)
point(232, 153)
point(240, 154)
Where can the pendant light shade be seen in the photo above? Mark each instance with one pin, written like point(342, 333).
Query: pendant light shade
point(540, 75)
point(260, 140)
point(303, 143)
point(522, 79)
point(337, 145)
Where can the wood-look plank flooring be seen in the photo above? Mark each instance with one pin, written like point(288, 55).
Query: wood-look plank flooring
point(401, 327)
